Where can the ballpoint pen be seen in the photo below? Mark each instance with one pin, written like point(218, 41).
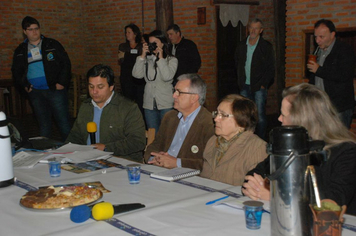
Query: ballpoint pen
point(216, 200)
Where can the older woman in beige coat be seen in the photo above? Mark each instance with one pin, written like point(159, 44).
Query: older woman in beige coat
point(235, 149)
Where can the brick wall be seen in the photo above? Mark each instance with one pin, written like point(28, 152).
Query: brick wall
point(108, 24)
point(111, 23)
point(91, 30)
point(302, 15)
point(61, 20)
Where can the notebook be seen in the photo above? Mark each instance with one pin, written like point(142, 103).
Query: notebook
point(175, 174)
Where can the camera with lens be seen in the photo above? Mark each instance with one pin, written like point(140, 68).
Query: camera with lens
point(151, 47)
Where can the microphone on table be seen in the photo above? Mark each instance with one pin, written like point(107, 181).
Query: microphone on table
point(101, 211)
point(91, 128)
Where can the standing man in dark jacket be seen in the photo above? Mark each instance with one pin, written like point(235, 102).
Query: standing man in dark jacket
point(334, 70)
point(254, 59)
point(185, 51)
point(42, 68)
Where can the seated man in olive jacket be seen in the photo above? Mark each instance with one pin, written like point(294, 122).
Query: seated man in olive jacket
point(184, 132)
point(120, 126)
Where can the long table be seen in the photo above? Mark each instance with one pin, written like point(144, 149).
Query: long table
point(172, 208)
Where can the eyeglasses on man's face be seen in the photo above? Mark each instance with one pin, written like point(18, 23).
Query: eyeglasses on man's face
point(221, 115)
point(32, 29)
point(178, 92)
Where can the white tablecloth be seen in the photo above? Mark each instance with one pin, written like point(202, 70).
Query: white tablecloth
point(171, 208)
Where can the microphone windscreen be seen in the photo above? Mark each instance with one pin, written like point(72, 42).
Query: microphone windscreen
point(91, 127)
point(80, 214)
point(102, 211)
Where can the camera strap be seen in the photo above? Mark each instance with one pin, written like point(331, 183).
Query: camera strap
point(155, 66)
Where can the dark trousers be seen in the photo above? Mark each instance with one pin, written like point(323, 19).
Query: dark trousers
point(47, 104)
point(260, 98)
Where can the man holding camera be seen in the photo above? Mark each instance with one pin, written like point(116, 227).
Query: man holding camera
point(185, 51)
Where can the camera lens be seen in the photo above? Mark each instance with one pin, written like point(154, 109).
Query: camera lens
point(152, 47)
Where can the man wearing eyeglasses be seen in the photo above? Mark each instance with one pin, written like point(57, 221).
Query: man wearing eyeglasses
point(41, 68)
point(184, 132)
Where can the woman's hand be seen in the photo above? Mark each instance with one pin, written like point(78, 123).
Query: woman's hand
point(121, 55)
point(159, 52)
point(256, 187)
point(144, 50)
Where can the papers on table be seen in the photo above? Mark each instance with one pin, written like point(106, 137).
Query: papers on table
point(83, 156)
point(73, 153)
point(27, 159)
point(71, 147)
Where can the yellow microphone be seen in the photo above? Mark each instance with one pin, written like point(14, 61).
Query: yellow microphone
point(100, 211)
point(105, 210)
point(91, 128)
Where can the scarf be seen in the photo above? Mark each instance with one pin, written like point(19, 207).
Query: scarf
point(222, 145)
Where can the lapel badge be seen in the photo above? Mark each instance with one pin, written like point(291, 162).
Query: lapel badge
point(194, 149)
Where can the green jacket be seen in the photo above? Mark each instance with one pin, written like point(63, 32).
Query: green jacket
point(122, 128)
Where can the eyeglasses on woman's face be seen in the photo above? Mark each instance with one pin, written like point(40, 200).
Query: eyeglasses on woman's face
point(221, 115)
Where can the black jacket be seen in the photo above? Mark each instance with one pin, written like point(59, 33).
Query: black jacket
point(55, 59)
point(188, 56)
point(338, 72)
point(262, 65)
point(336, 176)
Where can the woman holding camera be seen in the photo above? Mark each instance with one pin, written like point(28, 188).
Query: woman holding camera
point(158, 67)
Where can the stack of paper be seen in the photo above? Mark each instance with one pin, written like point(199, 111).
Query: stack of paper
point(27, 159)
point(76, 153)
point(73, 153)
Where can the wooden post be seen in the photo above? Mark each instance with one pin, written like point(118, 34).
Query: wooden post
point(280, 32)
point(164, 14)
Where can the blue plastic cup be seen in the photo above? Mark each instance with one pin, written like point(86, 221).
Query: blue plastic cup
point(54, 168)
point(253, 214)
point(134, 173)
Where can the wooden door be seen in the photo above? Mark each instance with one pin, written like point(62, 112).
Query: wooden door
point(227, 39)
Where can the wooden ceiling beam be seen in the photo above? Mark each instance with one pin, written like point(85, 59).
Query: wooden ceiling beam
point(242, 2)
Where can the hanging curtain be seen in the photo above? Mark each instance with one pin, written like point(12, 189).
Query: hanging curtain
point(234, 13)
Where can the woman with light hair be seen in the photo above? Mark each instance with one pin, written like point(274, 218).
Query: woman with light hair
point(308, 106)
